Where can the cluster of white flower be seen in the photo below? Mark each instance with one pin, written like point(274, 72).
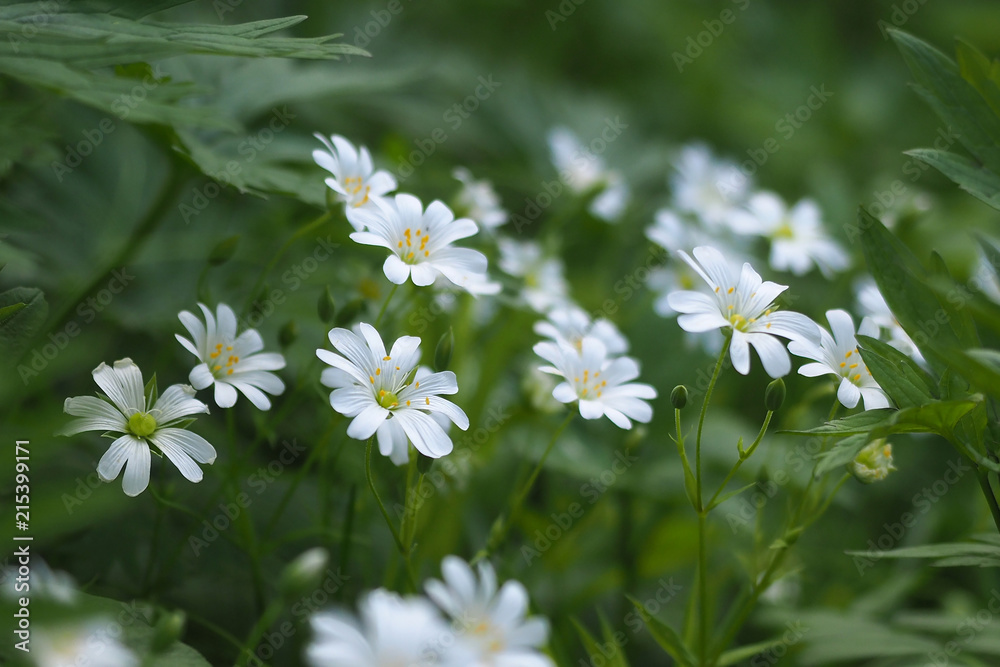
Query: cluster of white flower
point(146, 420)
point(465, 621)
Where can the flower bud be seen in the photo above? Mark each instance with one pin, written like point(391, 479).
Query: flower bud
point(304, 573)
point(326, 306)
point(679, 397)
point(168, 630)
point(442, 353)
point(223, 251)
point(774, 395)
point(873, 463)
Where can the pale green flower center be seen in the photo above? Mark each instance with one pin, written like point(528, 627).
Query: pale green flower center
point(785, 231)
point(142, 424)
point(387, 399)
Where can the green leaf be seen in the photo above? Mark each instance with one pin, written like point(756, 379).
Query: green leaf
point(953, 99)
point(841, 454)
point(862, 422)
point(597, 651)
point(738, 655)
point(151, 392)
point(982, 74)
point(617, 659)
point(19, 328)
point(898, 375)
point(726, 496)
point(975, 179)
point(665, 636)
point(936, 417)
point(7, 311)
point(952, 554)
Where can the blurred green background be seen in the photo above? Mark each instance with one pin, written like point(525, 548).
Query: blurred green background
point(605, 60)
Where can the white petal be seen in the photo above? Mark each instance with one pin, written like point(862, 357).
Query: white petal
point(184, 463)
point(739, 352)
point(848, 393)
point(702, 322)
point(392, 441)
point(225, 394)
point(226, 322)
point(350, 401)
point(250, 342)
point(815, 369)
point(842, 328)
point(188, 345)
point(200, 377)
point(591, 409)
point(110, 465)
point(175, 402)
point(122, 383)
point(429, 439)
point(425, 274)
point(396, 270)
point(772, 354)
point(253, 394)
point(367, 422)
point(564, 393)
point(875, 398)
point(136, 477)
point(97, 415)
point(195, 328)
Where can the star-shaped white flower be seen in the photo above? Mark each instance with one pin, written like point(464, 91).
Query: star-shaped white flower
point(583, 171)
point(545, 286)
point(743, 306)
point(228, 361)
point(392, 632)
point(798, 239)
point(602, 386)
point(479, 200)
point(570, 324)
point(419, 241)
point(708, 188)
point(355, 179)
point(838, 355)
point(384, 398)
point(491, 626)
point(124, 410)
point(85, 642)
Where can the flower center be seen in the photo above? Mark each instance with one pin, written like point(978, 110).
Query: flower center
point(387, 399)
point(231, 360)
point(589, 386)
point(850, 366)
point(784, 231)
point(413, 248)
point(142, 424)
point(739, 322)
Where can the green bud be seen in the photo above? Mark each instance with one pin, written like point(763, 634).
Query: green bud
point(288, 333)
point(327, 307)
point(223, 251)
point(873, 463)
point(349, 313)
point(679, 397)
point(304, 573)
point(442, 353)
point(168, 630)
point(774, 395)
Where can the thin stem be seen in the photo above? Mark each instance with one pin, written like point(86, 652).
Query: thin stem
point(702, 587)
point(266, 620)
point(701, 419)
point(499, 535)
point(385, 305)
point(744, 455)
point(983, 475)
point(302, 231)
point(385, 514)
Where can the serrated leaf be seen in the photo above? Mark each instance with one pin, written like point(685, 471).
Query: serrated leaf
point(665, 636)
point(975, 179)
point(20, 327)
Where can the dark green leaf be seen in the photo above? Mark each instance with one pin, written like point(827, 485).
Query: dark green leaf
point(971, 177)
point(18, 329)
point(665, 636)
point(841, 454)
point(898, 375)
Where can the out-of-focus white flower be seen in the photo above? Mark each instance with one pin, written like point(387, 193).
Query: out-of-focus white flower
point(45, 583)
point(708, 188)
point(381, 393)
point(228, 361)
point(583, 171)
point(874, 307)
point(798, 239)
point(545, 286)
point(744, 306)
point(873, 463)
point(479, 200)
point(126, 411)
point(89, 643)
point(420, 242)
point(570, 324)
point(838, 355)
point(355, 179)
point(602, 386)
point(491, 626)
point(392, 632)
point(539, 386)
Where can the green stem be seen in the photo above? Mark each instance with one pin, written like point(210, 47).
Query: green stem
point(983, 475)
point(702, 587)
point(385, 514)
point(385, 305)
point(744, 455)
point(266, 620)
point(302, 231)
point(701, 419)
point(500, 534)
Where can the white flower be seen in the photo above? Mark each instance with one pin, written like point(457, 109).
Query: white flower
point(601, 385)
point(490, 625)
point(479, 200)
point(798, 239)
point(875, 308)
point(393, 632)
point(583, 171)
point(545, 286)
point(838, 355)
point(228, 361)
point(45, 583)
point(354, 179)
point(570, 324)
point(746, 308)
point(710, 189)
point(873, 463)
point(420, 241)
point(90, 643)
point(380, 392)
point(125, 411)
